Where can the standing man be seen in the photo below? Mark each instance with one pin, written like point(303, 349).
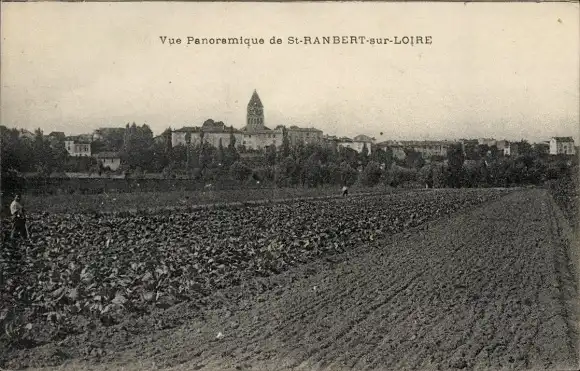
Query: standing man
point(344, 191)
point(18, 218)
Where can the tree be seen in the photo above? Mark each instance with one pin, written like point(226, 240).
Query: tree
point(523, 147)
point(15, 152)
point(285, 143)
point(348, 174)
point(398, 175)
point(455, 159)
point(482, 151)
point(312, 171)
point(271, 155)
point(137, 148)
point(425, 176)
point(371, 174)
point(220, 154)
point(364, 155)
point(439, 175)
point(239, 171)
point(413, 159)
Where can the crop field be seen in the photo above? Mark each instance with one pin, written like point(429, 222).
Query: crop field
point(151, 201)
point(433, 279)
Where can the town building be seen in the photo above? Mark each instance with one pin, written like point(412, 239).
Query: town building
point(26, 134)
point(562, 146)
point(77, 147)
point(179, 137)
point(508, 148)
point(486, 141)
point(211, 131)
point(503, 146)
point(303, 135)
point(395, 147)
point(111, 160)
point(468, 144)
point(215, 133)
point(357, 143)
point(428, 148)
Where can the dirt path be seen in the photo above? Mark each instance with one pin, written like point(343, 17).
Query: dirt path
point(487, 289)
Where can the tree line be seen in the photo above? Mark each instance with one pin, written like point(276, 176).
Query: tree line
point(309, 165)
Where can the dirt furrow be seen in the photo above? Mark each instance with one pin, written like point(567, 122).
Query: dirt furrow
point(484, 289)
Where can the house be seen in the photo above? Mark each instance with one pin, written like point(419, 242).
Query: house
point(357, 143)
point(26, 134)
point(211, 131)
point(112, 160)
point(179, 136)
point(510, 149)
point(215, 132)
point(468, 144)
point(396, 149)
point(76, 147)
point(487, 141)
point(562, 146)
point(261, 138)
point(303, 135)
point(428, 148)
point(503, 146)
point(398, 152)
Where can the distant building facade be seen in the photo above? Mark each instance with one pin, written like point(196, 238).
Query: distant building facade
point(215, 133)
point(487, 141)
point(179, 136)
point(357, 143)
point(427, 148)
point(26, 134)
point(211, 131)
point(509, 149)
point(77, 147)
point(303, 135)
point(562, 146)
point(112, 160)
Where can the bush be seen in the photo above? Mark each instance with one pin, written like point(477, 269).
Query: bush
point(348, 174)
point(239, 171)
point(398, 175)
point(371, 174)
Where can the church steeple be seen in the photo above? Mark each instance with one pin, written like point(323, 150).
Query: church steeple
point(255, 117)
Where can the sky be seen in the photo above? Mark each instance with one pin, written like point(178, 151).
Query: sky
point(504, 71)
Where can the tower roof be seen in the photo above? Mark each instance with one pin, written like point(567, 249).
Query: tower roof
point(255, 100)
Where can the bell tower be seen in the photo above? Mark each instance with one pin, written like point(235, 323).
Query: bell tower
point(255, 117)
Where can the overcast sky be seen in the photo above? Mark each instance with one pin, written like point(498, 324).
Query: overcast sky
point(493, 70)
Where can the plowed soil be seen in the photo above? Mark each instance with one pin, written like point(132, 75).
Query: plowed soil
point(488, 288)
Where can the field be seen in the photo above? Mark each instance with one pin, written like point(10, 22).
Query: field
point(183, 200)
point(432, 279)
